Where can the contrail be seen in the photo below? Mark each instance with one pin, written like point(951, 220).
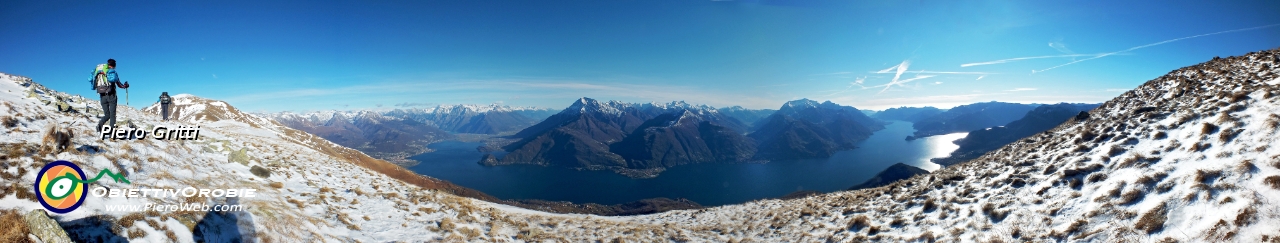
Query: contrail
point(949, 72)
point(1025, 58)
point(900, 83)
point(1154, 44)
point(1106, 54)
point(902, 67)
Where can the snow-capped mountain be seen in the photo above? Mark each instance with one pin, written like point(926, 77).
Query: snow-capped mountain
point(483, 119)
point(465, 118)
point(397, 134)
point(189, 108)
point(383, 137)
point(746, 116)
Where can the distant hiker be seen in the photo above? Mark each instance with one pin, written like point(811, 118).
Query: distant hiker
point(105, 81)
point(164, 105)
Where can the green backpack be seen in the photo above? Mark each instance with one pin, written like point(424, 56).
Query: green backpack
point(100, 82)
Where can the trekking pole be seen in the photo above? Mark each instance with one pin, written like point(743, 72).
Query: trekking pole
point(126, 95)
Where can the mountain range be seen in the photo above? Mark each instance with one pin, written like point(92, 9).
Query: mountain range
point(746, 116)
point(968, 118)
point(491, 119)
point(910, 114)
point(1040, 119)
point(804, 129)
point(397, 134)
point(641, 140)
point(582, 136)
point(1185, 157)
point(379, 136)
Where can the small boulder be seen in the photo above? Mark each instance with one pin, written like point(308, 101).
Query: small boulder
point(260, 172)
point(239, 156)
point(44, 227)
point(1084, 115)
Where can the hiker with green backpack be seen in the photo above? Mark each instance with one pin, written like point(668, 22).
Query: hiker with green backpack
point(105, 81)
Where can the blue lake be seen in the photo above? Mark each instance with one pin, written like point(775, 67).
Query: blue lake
point(707, 184)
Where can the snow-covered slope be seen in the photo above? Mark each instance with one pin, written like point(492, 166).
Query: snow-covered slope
point(1189, 156)
point(316, 190)
point(1186, 157)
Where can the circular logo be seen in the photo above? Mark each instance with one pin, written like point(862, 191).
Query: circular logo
point(59, 186)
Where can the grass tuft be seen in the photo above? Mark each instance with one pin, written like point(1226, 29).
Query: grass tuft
point(1097, 177)
point(15, 229)
point(137, 234)
point(1229, 134)
point(13, 151)
point(1153, 220)
point(1273, 122)
point(927, 236)
point(1115, 151)
point(1238, 96)
point(1131, 197)
point(1246, 167)
point(1204, 176)
point(1208, 128)
point(9, 121)
point(1273, 181)
point(858, 223)
point(930, 205)
point(1246, 217)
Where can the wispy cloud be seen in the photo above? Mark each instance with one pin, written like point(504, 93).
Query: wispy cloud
point(1116, 90)
point(898, 81)
point(1155, 44)
point(898, 71)
point(1028, 58)
point(1060, 46)
point(941, 101)
point(1021, 89)
point(947, 72)
point(1101, 55)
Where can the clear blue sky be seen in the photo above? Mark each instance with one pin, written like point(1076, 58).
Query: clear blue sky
point(310, 55)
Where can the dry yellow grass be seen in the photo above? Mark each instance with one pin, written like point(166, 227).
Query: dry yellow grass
point(15, 229)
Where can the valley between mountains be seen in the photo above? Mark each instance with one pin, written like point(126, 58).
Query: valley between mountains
point(1187, 156)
